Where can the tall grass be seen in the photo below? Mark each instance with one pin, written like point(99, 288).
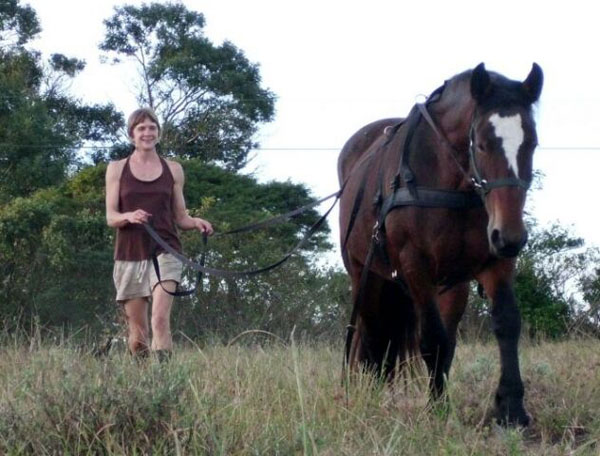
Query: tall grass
point(286, 399)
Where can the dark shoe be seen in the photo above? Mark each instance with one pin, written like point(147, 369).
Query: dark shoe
point(141, 356)
point(163, 356)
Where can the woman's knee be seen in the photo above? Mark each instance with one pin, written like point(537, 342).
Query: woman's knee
point(160, 324)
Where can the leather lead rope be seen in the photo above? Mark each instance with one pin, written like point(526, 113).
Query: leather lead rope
point(200, 267)
point(191, 291)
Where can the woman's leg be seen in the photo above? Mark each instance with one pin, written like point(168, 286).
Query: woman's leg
point(136, 313)
point(162, 302)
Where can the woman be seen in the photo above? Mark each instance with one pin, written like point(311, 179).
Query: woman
point(144, 187)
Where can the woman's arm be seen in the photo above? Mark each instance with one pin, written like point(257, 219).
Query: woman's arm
point(182, 218)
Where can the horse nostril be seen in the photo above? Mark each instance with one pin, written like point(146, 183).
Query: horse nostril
point(495, 237)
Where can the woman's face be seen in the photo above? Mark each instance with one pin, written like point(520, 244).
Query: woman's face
point(145, 135)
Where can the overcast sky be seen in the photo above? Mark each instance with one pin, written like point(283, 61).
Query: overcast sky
point(337, 65)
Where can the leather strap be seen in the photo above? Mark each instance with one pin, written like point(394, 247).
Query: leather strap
point(236, 274)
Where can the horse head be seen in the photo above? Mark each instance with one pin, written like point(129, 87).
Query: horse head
point(502, 142)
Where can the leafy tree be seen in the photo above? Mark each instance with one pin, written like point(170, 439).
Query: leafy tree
point(41, 127)
point(18, 24)
point(55, 247)
point(295, 294)
point(209, 97)
point(56, 258)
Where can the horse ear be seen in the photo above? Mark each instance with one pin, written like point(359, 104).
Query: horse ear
point(480, 83)
point(533, 84)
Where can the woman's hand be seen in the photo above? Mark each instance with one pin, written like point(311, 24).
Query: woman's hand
point(138, 216)
point(203, 226)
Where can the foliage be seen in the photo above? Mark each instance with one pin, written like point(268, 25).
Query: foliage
point(55, 247)
point(18, 24)
point(208, 97)
point(41, 127)
point(547, 267)
point(56, 258)
point(588, 319)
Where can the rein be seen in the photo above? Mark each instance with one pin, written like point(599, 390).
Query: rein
point(202, 269)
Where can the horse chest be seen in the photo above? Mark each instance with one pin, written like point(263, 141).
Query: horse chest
point(445, 244)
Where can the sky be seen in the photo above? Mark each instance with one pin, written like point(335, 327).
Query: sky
point(338, 65)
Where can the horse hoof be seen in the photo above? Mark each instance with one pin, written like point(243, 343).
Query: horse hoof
point(517, 417)
point(521, 420)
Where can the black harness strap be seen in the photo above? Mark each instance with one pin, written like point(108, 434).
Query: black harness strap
point(357, 201)
point(366, 162)
point(429, 197)
point(404, 170)
point(279, 218)
point(181, 293)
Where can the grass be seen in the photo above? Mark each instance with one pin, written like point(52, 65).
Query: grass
point(286, 400)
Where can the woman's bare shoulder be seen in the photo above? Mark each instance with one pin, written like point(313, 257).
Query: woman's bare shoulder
point(115, 167)
point(175, 167)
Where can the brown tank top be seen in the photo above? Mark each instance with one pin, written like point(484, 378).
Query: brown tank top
point(133, 242)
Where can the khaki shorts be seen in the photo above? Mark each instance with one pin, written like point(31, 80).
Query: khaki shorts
point(137, 279)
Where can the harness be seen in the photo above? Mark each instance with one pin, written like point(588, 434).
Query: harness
point(416, 196)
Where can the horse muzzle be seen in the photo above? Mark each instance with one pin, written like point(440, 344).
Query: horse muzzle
point(504, 245)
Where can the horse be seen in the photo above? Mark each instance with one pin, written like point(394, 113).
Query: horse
point(431, 202)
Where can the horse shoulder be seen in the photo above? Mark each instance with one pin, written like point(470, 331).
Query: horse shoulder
point(359, 143)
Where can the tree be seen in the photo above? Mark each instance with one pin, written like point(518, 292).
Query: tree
point(41, 127)
point(208, 97)
point(588, 319)
point(18, 24)
point(55, 247)
point(56, 258)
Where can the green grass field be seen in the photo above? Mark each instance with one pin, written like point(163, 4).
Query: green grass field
point(287, 399)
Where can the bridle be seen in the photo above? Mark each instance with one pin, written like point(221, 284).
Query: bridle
point(480, 184)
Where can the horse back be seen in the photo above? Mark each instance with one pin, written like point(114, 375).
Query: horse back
point(359, 143)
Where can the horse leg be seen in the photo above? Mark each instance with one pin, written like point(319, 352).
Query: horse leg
point(506, 321)
point(379, 338)
point(434, 343)
point(365, 296)
point(452, 304)
point(397, 326)
point(435, 346)
point(370, 344)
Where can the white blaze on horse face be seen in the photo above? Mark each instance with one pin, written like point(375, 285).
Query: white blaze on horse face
point(510, 131)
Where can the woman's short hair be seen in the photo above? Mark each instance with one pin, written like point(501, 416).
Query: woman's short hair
point(138, 116)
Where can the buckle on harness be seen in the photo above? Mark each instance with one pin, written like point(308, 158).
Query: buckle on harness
point(375, 235)
point(481, 185)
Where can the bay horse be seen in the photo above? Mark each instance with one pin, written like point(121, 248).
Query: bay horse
point(429, 203)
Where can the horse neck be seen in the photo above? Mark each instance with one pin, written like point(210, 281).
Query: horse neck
point(452, 116)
